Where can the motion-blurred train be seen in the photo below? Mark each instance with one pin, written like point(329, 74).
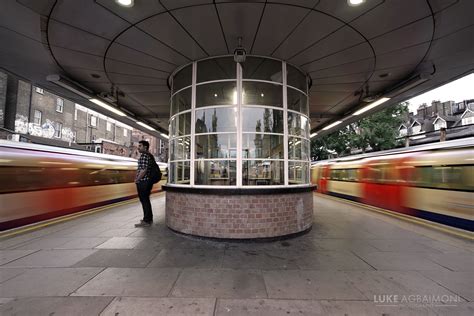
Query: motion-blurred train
point(41, 182)
point(434, 182)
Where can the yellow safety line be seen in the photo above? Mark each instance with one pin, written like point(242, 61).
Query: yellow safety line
point(16, 231)
point(419, 221)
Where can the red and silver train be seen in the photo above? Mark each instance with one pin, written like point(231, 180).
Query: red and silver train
point(434, 182)
point(41, 182)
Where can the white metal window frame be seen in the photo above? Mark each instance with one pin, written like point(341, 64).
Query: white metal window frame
point(59, 105)
point(40, 117)
point(239, 160)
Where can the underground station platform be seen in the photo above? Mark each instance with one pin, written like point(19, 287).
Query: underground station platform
point(354, 260)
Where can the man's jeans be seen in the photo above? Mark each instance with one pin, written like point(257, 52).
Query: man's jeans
point(144, 190)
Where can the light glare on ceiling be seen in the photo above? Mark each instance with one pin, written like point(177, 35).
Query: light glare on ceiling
point(125, 3)
point(354, 3)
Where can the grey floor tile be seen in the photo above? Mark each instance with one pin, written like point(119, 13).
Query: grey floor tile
point(306, 284)
point(221, 283)
point(57, 306)
point(401, 245)
point(332, 260)
point(52, 258)
point(45, 243)
point(461, 309)
point(11, 255)
point(188, 258)
point(119, 232)
point(47, 282)
point(373, 283)
point(9, 273)
point(121, 243)
point(118, 258)
point(461, 283)
point(399, 261)
point(83, 243)
point(267, 307)
point(160, 306)
point(332, 244)
point(262, 259)
point(361, 308)
point(130, 282)
point(454, 261)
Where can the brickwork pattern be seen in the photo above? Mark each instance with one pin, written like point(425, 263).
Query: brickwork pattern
point(239, 216)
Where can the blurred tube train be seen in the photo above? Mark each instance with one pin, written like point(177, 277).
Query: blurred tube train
point(434, 182)
point(41, 182)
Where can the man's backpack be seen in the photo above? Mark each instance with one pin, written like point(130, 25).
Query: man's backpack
point(155, 172)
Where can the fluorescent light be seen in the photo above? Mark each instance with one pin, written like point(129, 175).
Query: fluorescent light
point(69, 85)
point(371, 106)
point(107, 107)
point(332, 125)
point(312, 135)
point(125, 3)
point(146, 126)
point(354, 3)
point(164, 135)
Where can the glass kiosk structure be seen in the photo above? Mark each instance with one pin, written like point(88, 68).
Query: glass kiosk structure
point(239, 149)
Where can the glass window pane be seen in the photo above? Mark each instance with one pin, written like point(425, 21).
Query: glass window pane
point(218, 93)
point(262, 120)
point(216, 120)
point(298, 172)
point(181, 101)
point(215, 172)
point(298, 125)
point(297, 101)
point(216, 69)
point(296, 78)
point(262, 172)
point(181, 124)
point(262, 146)
point(180, 148)
point(262, 69)
point(183, 78)
point(216, 146)
point(179, 172)
point(259, 93)
point(298, 148)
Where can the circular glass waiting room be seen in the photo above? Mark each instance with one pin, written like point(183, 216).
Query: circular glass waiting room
point(239, 124)
point(239, 131)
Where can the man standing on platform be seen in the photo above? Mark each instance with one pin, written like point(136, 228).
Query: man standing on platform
point(144, 183)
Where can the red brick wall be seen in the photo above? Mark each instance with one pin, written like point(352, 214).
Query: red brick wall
point(239, 216)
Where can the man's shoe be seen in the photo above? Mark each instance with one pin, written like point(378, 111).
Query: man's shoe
point(143, 224)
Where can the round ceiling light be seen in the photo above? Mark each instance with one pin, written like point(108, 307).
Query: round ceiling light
point(354, 3)
point(125, 3)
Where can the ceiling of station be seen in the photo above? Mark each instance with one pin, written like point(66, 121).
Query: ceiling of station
point(349, 52)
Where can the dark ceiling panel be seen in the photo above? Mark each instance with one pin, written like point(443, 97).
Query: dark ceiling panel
point(240, 20)
point(118, 67)
point(344, 11)
point(277, 23)
point(165, 28)
point(302, 3)
point(202, 23)
point(173, 4)
point(69, 58)
point(139, 11)
point(90, 16)
point(153, 98)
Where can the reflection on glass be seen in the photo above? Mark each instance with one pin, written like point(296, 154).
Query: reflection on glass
point(298, 148)
point(262, 146)
point(297, 101)
point(262, 69)
point(216, 69)
point(216, 146)
point(215, 172)
point(296, 78)
point(180, 148)
point(216, 120)
point(262, 120)
point(259, 93)
point(183, 78)
point(218, 93)
point(181, 101)
point(298, 125)
point(298, 172)
point(262, 172)
point(181, 124)
point(179, 172)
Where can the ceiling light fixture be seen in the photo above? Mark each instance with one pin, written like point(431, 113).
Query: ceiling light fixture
point(125, 3)
point(107, 106)
point(312, 135)
point(354, 3)
point(332, 125)
point(146, 126)
point(164, 135)
point(371, 106)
